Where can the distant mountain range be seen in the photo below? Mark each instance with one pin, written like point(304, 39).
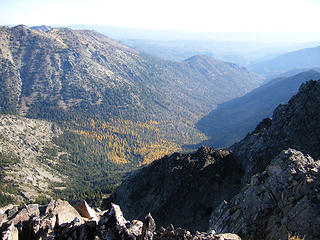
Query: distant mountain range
point(232, 120)
point(236, 47)
point(304, 58)
point(245, 53)
point(66, 71)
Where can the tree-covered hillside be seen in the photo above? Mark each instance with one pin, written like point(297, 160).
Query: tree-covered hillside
point(118, 108)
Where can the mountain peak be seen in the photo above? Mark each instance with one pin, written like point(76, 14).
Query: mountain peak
point(200, 57)
point(42, 28)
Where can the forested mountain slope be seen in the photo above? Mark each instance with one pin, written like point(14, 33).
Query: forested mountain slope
point(117, 108)
point(85, 71)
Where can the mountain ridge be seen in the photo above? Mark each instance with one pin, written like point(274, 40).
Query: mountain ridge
point(291, 136)
point(232, 120)
point(103, 59)
point(303, 58)
point(118, 108)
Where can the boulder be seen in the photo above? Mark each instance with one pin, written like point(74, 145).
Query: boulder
point(148, 229)
point(84, 209)
point(25, 213)
point(63, 211)
point(10, 233)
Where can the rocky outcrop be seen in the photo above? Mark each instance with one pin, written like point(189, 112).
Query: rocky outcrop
point(29, 157)
point(45, 222)
point(294, 125)
point(181, 189)
point(280, 194)
point(284, 199)
point(258, 189)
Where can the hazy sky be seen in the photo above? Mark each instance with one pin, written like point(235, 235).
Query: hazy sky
point(189, 15)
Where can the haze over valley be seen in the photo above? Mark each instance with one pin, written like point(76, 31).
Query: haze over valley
point(198, 120)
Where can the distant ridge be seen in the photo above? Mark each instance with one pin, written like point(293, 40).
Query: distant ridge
point(232, 120)
point(42, 28)
point(88, 73)
point(304, 58)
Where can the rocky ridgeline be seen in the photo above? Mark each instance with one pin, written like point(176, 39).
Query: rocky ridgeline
point(267, 186)
point(284, 199)
point(60, 220)
point(181, 189)
point(294, 125)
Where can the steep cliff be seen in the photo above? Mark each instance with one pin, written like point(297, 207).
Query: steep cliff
point(181, 189)
point(257, 189)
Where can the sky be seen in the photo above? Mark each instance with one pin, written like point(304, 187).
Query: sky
point(186, 15)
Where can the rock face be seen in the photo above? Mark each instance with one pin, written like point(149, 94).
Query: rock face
point(283, 185)
point(265, 187)
point(42, 222)
point(28, 155)
point(181, 189)
point(294, 125)
point(283, 199)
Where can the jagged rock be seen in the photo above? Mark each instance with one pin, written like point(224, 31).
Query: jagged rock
point(63, 211)
point(12, 211)
point(115, 226)
point(135, 227)
point(181, 189)
point(112, 225)
point(43, 228)
point(25, 213)
point(148, 229)
point(280, 195)
point(294, 125)
point(84, 209)
point(281, 200)
point(11, 233)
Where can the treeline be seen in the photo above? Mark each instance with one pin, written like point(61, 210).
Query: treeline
point(6, 187)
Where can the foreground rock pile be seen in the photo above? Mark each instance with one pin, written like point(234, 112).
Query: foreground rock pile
point(60, 220)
